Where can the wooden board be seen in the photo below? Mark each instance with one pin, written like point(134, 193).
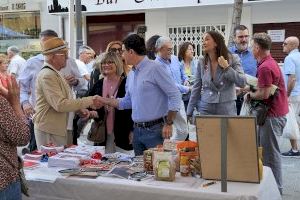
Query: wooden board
point(242, 155)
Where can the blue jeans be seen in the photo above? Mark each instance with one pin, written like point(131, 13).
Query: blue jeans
point(12, 192)
point(145, 138)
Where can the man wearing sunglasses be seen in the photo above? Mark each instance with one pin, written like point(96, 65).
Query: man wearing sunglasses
point(27, 80)
point(291, 70)
point(55, 103)
point(248, 62)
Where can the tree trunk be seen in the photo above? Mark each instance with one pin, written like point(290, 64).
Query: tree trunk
point(236, 19)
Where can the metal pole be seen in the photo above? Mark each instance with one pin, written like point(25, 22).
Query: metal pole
point(224, 124)
point(79, 40)
point(71, 27)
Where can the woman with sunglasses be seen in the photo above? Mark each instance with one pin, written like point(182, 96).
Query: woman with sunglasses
point(116, 47)
point(119, 124)
point(113, 47)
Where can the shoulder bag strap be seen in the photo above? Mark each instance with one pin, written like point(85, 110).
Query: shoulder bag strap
point(47, 67)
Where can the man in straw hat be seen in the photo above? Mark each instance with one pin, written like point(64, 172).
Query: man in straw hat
point(27, 80)
point(54, 98)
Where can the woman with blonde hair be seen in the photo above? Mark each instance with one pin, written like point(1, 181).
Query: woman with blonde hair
point(116, 47)
point(119, 124)
point(113, 47)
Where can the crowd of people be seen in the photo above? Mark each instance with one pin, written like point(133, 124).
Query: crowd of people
point(144, 92)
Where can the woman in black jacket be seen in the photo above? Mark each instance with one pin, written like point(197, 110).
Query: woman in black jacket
point(119, 125)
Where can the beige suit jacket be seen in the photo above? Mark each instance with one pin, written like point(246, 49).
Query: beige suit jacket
point(54, 101)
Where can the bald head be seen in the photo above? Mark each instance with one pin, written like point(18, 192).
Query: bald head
point(290, 44)
point(294, 41)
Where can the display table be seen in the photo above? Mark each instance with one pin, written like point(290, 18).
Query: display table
point(47, 183)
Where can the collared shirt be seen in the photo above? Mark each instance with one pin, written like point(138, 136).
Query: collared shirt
point(151, 92)
point(268, 73)
point(83, 70)
point(292, 66)
point(248, 62)
point(175, 71)
point(16, 65)
point(28, 77)
point(192, 71)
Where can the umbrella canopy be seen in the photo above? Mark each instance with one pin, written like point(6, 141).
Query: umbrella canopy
point(8, 33)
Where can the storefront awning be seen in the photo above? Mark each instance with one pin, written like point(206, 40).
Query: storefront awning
point(6, 33)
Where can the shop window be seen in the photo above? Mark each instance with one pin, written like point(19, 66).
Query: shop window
point(21, 29)
point(193, 34)
point(103, 29)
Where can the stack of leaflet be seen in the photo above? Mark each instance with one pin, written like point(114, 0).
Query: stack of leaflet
point(66, 160)
point(51, 149)
point(29, 156)
point(85, 150)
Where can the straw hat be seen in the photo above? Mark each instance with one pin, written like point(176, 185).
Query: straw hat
point(53, 45)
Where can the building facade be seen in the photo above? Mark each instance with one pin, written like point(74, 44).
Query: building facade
point(185, 20)
point(20, 24)
point(181, 20)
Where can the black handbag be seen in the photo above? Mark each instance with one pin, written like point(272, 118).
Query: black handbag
point(97, 132)
point(260, 110)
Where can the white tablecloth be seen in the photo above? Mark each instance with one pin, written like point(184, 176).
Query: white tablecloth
point(47, 183)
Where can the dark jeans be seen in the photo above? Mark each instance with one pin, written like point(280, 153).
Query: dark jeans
point(145, 138)
point(239, 102)
point(32, 143)
point(75, 129)
point(11, 192)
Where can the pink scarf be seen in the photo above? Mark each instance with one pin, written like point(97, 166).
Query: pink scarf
point(110, 90)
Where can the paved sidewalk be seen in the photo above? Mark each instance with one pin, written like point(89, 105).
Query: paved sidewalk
point(291, 173)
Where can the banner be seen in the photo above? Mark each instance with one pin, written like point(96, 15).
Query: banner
point(90, 6)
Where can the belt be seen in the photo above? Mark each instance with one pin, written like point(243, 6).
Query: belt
point(149, 123)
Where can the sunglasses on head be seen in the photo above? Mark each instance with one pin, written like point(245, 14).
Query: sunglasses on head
point(115, 49)
point(107, 63)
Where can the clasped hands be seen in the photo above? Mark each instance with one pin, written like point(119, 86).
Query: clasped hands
point(99, 101)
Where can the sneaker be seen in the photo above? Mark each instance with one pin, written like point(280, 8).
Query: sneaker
point(291, 153)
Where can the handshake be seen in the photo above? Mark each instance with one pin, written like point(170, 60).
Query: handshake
point(99, 102)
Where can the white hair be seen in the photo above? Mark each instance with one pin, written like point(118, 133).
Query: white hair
point(85, 48)
point(161, 41)
point(13, 49)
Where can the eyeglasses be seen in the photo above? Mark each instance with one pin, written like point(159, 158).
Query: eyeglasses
point(115, 50)
point(107, 63)
point(243, 36)
point(61, 54)
point(285, 43)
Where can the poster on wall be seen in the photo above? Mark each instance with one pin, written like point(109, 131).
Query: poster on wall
point(277, 35)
